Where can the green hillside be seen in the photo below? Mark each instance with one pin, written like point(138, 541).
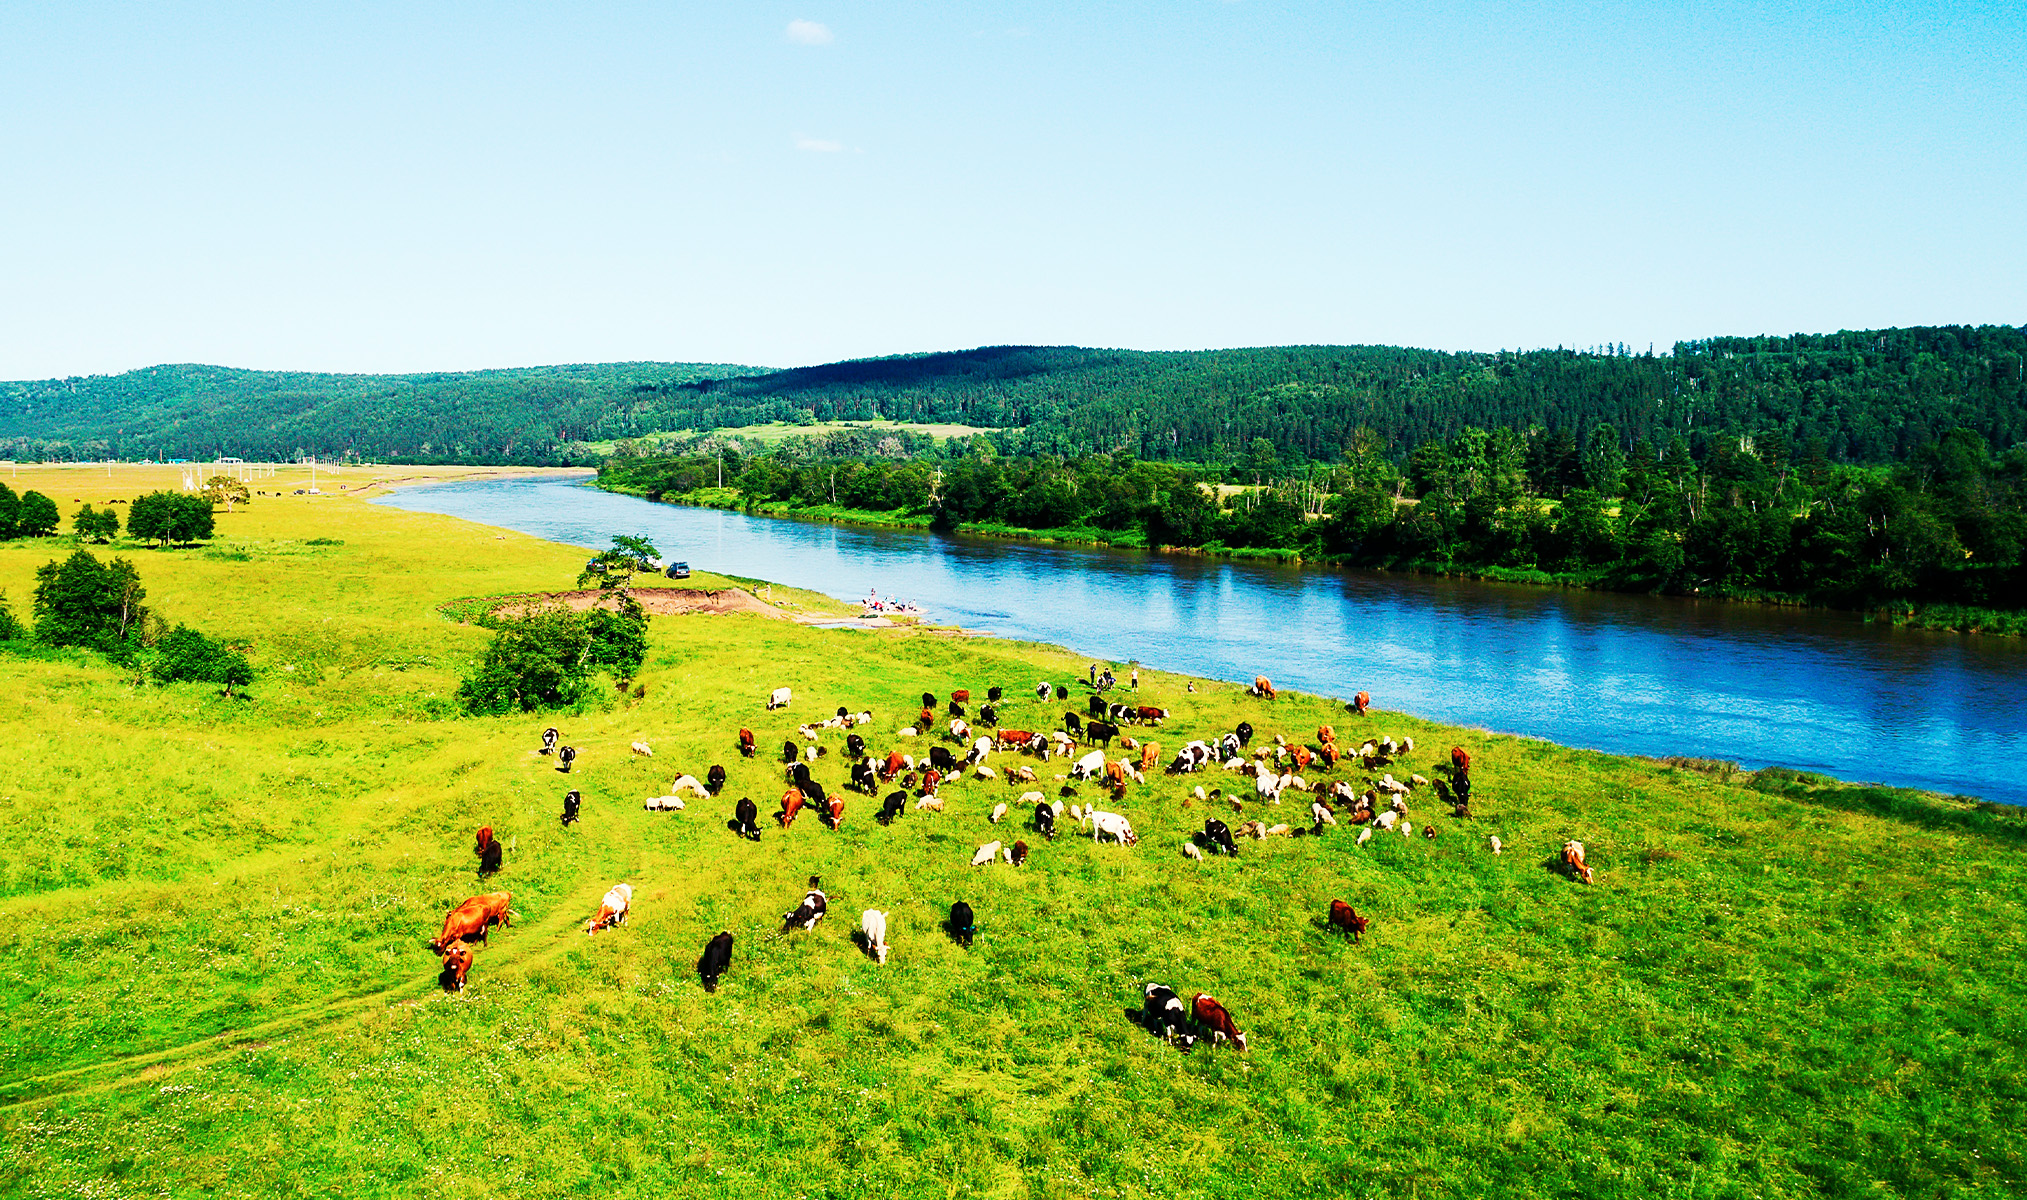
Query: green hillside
point(1867, 396)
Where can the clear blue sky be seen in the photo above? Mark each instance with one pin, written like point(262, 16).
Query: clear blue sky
point(445, 185)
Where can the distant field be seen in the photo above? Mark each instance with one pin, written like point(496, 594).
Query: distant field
point(212, 916)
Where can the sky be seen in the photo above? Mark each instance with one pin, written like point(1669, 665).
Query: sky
point(448, 186)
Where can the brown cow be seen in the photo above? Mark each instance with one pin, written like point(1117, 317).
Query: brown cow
point(1326, 735)
point(1460, 760)
point(1302, 758)
point(896, 763)
point(1149, 755)
point(457, 963)
point(1573, 858)
point(1263, 686)
point(1016, 738)
point(791, 804)
point(473, 919)
point(746, 743)
point(925, 720)
point(836, 816)
point(1150, 716)
point(1330, 754)
point(1360, 702)
point(1344, 917)
point(961, 696)
point(1212, 1016)
point(1115, 775)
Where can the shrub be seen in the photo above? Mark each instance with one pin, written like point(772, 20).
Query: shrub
point(84, 602)
point(185, 655)
point(546, 658)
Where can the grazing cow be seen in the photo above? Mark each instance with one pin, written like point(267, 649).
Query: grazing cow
point(1119, 714)
point(1096, 706)
point(1115, 775)
point(834, 812)
point(980, 748)
point(1161, 1011)
point(565, 756)
point(955, 709)
point(1460, 761)
point(855, 745)
point(1020, 853)
point(1573, 860)
point(779, 699)
point(549, 737)
point(744, 816)
point(473, 919)
point(1360, 703)
point(959, 731)
point(929, 699)
point(808, 913)
point(1062, 691)
point(925, 719)
point(873, 923)
point(790, 752)
point(961, 696)
point(1326, 735)
point(1149, 755)
point(1302, 758)
point(489, 851)
point(864, 778)
point(571, 803)
point(811, 790)
point(1073, 724)
point(1345, 918)
point(791, 804)
point(457, 963)
point(1263, 687)
point(1017, 739)
point(717, 959)
point(993, 694)
point(942, 759)
point(1045, 819)
point(746, 743)
point(896, 763)
point(1150, 716)
point(1105, 824)
point(1042, 691)
point(1245, 732)
point(1212, 1016)
point(1219, 836)
point(988, 716)
point(1101, 732)
point(1089, 765)
point(895, 804)
point(643, 750)
point(985, 854)
point(612, 910)
point(963, 925)
point(714, 779)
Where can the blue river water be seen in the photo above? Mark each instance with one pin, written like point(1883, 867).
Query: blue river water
point(1646, 675)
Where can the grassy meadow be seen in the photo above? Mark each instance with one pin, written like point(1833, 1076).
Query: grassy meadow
point(213, 915)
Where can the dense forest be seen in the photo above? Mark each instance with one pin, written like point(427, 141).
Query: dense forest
point(1865, 397)
point(538, 415)
point(1752, 515)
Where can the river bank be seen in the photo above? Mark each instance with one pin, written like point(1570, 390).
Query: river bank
point(1952, 618)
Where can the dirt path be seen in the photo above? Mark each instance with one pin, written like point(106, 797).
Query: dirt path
point(673, 601)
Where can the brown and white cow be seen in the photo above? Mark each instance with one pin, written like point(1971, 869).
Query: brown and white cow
point(1573, 858)
point(1212, 1016)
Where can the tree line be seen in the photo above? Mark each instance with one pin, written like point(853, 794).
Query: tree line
point(1868, 396)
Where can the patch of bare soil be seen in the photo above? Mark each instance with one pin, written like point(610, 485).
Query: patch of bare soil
point(659, 601)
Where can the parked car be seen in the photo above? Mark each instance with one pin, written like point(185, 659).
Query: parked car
point(679, 570)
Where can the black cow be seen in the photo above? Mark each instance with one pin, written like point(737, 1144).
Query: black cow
point(812, 791)
point(895, 805)
point(993, 694)
point(490, 856)
point(1062, 691)
point(790, 752)
point(1073, 724)
point(549, 737)
point(806, 914)
point(799, 774)
point(1045, 819)
point(1163, 1013)
point(989, 716)
point(855, 745)
point(566, 756)
point(963, 926)
point(571, 801)
point(1097, 706)
point(929, 699)
point(717, 959)
point(942, 759)
point(864, 778)
point(843, 712)
point(1219, 837)
point(1245, 732)
point(1100, 731)
point(956, 709)
point(714, 779)
point(744, 817)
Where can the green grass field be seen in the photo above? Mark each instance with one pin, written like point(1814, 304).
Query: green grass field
point(212, 917)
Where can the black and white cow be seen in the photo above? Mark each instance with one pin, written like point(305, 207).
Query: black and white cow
point(571, 803)
point(1073, 724)
point(864, 778)
point(855, 746)
point(744, 817)
point(1045, 819)
point(988, 716)
point(549, 737)
point(806, 914)
point(1218, 836)
point(1162, 1011)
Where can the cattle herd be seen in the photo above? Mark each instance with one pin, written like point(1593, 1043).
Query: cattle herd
point(1263, 771)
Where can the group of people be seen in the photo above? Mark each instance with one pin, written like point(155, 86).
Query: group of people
point(1104, 680)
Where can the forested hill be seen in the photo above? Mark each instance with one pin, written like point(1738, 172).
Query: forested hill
point(1863, 396)
point(1867, 396)
point(525, 415)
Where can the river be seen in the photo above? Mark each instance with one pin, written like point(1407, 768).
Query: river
point(1816, 691)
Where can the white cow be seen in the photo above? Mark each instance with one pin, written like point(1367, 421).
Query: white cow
point(998, 813)
point(873, 923)
point(643, 749)
point(1089, 765)
point(690, 784)
point(1104, 824)
point(779, 699)
point(663, 804)
point(986, 854)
